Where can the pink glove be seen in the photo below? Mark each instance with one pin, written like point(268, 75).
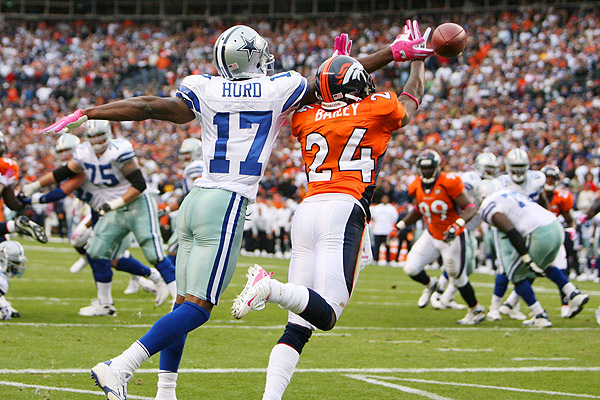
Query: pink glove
point(342, 45)
point(572, 232)
point(68, 123)
point(410, 45)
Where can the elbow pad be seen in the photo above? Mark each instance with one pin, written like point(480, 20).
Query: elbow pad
point(137, 180)
point(62, 173)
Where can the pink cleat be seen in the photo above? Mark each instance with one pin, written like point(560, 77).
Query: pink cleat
point(255, 293)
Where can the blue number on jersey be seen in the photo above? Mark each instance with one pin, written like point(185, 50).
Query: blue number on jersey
point(250, 166)
point(517, 197)
point(106, 178)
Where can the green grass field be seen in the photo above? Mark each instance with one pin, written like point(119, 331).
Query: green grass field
point(383, 347)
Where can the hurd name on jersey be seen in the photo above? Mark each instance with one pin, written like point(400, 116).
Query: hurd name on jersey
point(561, 201)
point(343, 149)
point(437, 204)
point(9, 171)
point(240, 121)
point(104, 172)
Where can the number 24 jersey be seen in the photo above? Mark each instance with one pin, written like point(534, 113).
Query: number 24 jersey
point(343, 149)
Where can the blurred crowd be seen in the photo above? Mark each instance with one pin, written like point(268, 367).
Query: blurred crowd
point(527, 79)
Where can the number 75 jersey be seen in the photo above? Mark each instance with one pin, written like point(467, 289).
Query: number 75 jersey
point(240, 121)
point(343, 149)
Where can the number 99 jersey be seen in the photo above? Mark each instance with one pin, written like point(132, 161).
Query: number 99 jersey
point(437, 204)
point(343, 149)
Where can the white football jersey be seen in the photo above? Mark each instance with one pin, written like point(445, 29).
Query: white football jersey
point(532, 186)
point(471, 180)
point(105, 181)
point(525, 214)
point(192, 172)
point(240, 121)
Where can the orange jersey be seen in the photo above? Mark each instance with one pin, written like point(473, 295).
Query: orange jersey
point(9, 171)
point(343, 149)
point(437, 205)
point(562, 201)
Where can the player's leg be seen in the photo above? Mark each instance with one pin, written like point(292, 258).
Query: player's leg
point(423, 252)
point(143, 219)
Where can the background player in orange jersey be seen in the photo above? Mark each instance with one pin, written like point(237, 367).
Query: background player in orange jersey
point(343, 141)
point(443, 202)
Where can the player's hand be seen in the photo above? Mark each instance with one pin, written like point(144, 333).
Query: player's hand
point(451, 232)
point(342, 45)
point(572, 233)
point(103, 209)
point(68, 123)
point(529, 263)
point(410, 45)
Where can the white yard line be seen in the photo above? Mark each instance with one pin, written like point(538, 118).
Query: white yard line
point(59, 389)
point(541, 359)
point(404, 389)
point(322, 370)
point(465, 350)
point(510, 389)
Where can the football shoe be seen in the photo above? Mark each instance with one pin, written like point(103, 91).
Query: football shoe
point(474, 316)
point(113, 383)
point(539, 321)
point(427, 292)
point(96, 309)
point(255, 293)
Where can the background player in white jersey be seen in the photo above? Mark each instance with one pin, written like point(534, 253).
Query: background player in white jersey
point(529, 239)
point(190, 155)
point(12, 263)
point(486, 167)
point(85, 191)
point(115, 188)
point(241, 112)
point(521, 179)
point(329, 228)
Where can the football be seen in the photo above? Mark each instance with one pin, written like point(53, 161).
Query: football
point(449, 40)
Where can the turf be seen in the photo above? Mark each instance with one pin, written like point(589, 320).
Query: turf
point(383, 347)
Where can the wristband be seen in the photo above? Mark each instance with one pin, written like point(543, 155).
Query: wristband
point(460, 222)
point(116, 203)
point(401, 225)
point(412, 97)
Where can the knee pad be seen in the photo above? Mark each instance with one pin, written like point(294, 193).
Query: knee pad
point(461, 281)
point(295, 336)
point(411, 269)
point(166, 269)
point(101, 269)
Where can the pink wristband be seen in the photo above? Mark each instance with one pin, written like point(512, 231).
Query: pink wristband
point(412, 97)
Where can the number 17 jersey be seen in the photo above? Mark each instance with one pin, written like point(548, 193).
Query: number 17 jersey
point(240, 122)
point(343, 149)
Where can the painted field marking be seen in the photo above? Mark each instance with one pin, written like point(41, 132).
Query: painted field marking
point(541, 359)
point(510, 389)
point(59, 389)
point(320, 370)
point(396, 341)
point(465, 350)
point(401, 388)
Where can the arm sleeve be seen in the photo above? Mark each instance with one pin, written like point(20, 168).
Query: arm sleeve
point(137, 180)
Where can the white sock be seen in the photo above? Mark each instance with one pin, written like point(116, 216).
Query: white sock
point(568, 289)
point(167, 382)
point(172, 289)
point(513, 299)
point(448, 294)
point(288, 295)
point(10, 226)
point(442, 282)
point(536, 308)
point(496, 302)
point(131, 359)
point(104, 292)
point(282, 362)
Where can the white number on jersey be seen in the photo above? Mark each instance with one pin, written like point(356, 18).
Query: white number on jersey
point(437, 207)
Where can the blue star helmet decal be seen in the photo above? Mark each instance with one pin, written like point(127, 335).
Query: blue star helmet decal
point(249, 47)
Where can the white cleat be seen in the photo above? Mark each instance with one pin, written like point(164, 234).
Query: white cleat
point(564, 311)
point(474, 316)
point(147, 285)
point(133, 286)
point(97, 309)
point(255, 293)
point(539, 321)
point(25, 226)
point(576, 302)
point(160, 287)
point(436, 302)
point(512, 312)
point(78, 265)
point(494, 315)
point(113, 383)
point(427, 292)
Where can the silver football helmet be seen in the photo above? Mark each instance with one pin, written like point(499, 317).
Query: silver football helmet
point(3, 145)
point(65, 145)
point(12, 258)
point(552, 176)
point(98, 132)
point(191, 149)
point(241, 53)
point(486, 165)
point(484, 189)
point(516, 163)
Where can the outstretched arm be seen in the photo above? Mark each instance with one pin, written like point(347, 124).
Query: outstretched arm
point(413, 90)
point(143, 107)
